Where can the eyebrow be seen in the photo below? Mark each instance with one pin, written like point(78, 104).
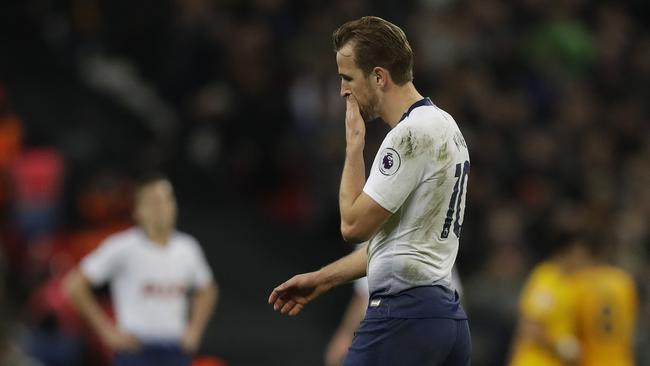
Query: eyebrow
point(346, 77)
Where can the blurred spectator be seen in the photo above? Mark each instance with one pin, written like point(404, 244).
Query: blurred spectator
point(38, 176)
point(11, 131)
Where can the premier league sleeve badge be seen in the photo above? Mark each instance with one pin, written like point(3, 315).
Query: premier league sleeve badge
point(389, 161)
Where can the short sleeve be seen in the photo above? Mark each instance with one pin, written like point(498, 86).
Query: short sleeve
point(537, 302)
point(398, 167)
point(101, 265)
point(537, 299)
point(201, 272)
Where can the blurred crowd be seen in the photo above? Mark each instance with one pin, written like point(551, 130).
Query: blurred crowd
point(241, 99)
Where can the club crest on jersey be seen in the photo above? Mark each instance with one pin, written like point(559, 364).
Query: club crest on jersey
point(389, 162)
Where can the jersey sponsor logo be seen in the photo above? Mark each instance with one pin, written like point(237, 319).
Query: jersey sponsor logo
point(390, 161)
point(163, 290)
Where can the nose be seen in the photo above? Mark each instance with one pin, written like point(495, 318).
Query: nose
point(345, 90)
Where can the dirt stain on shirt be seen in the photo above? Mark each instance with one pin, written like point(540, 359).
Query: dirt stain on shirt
point(413, 145)
point(413, 272)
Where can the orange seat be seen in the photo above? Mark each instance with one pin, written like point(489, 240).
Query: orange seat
point(208, 361)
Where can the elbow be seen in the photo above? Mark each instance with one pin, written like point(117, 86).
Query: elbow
point(70, 284)
point(74, 285)
point(210, 291)
point(353, 234)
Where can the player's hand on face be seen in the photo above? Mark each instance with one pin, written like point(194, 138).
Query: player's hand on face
point(291, 297)
point(120, 342)
point(355, 127)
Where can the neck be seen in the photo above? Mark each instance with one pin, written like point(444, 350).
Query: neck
point(570, 265)
point(397, 101)
point(158, 236)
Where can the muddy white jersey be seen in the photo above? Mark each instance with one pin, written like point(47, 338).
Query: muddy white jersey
point(419, 174)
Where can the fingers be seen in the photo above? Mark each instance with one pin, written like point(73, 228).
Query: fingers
point(354, 122)
point(296, 309)
point(274, 296)
point(279, 303)
point(287, 307)
point(351, 105)
point(286, 298)
point(278, 291)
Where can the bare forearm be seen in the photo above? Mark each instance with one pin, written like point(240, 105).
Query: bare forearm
point(352, 181)
point(354, 172)
point(346, 269)
point(203, 305)
point(80, 292)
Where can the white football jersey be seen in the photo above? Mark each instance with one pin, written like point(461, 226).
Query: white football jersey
point(420, 174)
point(149, 282)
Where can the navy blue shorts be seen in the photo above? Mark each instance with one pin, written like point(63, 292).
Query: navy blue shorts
point(154, 354)
point(424, 326)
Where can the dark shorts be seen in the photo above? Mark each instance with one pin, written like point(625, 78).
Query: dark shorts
point(423, 326)
point(154, 354)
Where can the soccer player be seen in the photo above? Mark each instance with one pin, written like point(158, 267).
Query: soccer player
point(575, 309)
point(546, 333)
point(410, 208)
point(606, 310)
point(151, 269)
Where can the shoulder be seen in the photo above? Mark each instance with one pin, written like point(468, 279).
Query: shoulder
point(426, 119)
point(186, 241)
point(546, 276)
point(601, 272)
point(539, 294)
point(544, 271)
point(426, 128)
point(622, 277)
point(412, 137)
point(116, 247)
point(123, 238)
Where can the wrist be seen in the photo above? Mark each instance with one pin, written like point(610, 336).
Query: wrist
point(326, 278)
point(193, 331)
point(355, 147)
point(106, 333)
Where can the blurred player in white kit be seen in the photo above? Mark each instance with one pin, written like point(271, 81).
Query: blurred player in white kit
point(152, 270)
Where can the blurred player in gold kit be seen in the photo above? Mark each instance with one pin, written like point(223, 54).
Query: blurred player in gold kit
point(575, 310)
point(606, 310)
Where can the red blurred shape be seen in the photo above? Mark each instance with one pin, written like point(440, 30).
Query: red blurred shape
point(38, 175)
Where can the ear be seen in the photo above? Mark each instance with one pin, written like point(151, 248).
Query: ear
point(380, 76)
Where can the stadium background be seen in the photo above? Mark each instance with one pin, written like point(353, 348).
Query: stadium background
point(238, 102)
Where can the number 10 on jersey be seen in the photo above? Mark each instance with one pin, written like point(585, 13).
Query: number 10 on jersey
point(460, 188)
